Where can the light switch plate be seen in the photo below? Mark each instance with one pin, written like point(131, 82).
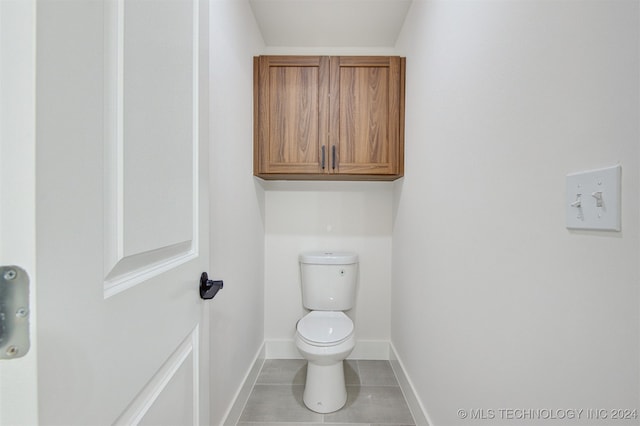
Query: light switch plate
point(593, 199)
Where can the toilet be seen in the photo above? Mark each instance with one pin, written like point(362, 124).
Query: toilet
point(325, 336)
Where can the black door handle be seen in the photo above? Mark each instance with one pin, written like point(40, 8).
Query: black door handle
point(209, 288)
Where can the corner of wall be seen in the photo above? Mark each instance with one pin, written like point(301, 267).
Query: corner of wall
point(418, 411)
point(241, 397)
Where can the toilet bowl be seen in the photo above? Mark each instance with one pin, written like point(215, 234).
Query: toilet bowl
point(325, 339)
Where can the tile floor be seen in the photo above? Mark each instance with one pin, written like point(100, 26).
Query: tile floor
point(373, 397)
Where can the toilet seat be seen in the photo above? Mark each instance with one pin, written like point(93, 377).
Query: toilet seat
point(325, 328)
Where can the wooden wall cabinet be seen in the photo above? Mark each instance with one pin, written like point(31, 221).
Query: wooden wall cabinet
point(329, 118)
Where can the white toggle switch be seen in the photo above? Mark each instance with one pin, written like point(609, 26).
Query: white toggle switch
point(601, 210)
point(578, 202)
point(598, 197)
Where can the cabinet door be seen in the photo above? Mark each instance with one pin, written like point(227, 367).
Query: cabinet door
point(291, 110)
point(366, 116)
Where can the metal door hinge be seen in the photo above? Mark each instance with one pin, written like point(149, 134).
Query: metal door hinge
point(14, 312)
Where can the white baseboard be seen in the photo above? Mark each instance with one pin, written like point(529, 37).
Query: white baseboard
point(242, 396)
point(365, 349)
point(281, 349)
point(417, 410)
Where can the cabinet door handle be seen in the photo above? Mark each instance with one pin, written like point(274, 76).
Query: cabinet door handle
point(323, 157)
point(333, 157)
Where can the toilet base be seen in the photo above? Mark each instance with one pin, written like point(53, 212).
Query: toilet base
point(325, 390)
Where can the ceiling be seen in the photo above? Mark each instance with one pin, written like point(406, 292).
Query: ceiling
point(330, 23)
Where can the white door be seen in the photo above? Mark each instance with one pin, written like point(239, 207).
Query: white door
point(18, 380)
point(121, 212)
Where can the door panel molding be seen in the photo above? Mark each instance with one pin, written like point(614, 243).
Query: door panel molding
point(170, 239)
point(147, 397)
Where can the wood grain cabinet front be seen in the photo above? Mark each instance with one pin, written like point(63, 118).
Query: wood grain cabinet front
point(329, 118)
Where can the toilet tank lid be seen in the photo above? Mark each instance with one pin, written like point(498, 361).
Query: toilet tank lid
point(329, 258)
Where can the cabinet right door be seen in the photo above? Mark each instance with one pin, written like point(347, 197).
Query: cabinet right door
point(366, 115)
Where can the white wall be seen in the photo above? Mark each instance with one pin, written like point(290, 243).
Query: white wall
point(494, 303)
point(338, 216)
point(237, 230)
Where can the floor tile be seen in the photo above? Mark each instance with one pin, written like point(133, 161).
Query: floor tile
point(285, 424)
point(277, 403)
point(373, 396)
point(351, 375)
point(283, 371)
point(304, 424)
point(376, 373)
point(368, 404)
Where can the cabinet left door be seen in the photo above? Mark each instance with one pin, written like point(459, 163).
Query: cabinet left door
point(291, 95)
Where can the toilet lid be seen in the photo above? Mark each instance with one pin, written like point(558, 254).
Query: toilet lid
point(325, 327)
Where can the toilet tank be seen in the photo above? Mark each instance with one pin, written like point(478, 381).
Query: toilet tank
point(328, 280)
